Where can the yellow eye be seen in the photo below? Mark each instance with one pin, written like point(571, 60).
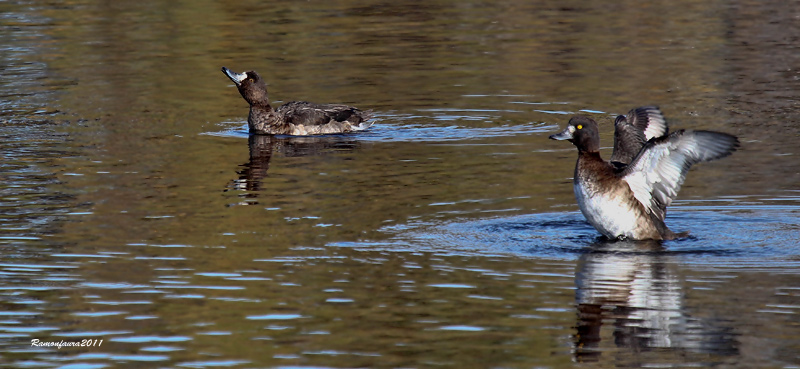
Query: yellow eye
point(580, 126)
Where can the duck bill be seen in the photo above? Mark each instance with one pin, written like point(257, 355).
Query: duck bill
point(566, 134)
point(237, 78)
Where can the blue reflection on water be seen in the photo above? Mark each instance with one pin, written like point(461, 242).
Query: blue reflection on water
point(743, 235)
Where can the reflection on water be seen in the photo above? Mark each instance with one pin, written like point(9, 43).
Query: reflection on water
point(255, 169)
point(631, 297)
point(446, 235)
point(633, 287)
point(264, 147)
point(724, 235)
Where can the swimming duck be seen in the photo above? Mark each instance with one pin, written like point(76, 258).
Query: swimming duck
point(298, 118)
point(628, 198)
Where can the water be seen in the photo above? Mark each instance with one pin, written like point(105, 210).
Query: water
point(138, 215)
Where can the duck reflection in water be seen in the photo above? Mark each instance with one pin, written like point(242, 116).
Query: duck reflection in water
point(264, 147)
point(633, 287)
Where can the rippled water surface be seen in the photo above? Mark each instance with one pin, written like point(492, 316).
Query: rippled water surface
point(139, 218)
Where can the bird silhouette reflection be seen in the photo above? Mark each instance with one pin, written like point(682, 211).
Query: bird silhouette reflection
point(630, 296)
point(252, 175)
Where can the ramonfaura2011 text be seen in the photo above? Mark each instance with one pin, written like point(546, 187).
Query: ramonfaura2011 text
point(82, 343)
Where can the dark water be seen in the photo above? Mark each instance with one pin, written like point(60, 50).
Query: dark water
point(135, 209)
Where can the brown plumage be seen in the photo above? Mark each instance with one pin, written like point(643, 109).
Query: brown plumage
point(298, 118)
point(628, 198)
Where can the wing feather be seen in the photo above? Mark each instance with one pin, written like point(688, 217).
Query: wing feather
point(310, 114)
point(650, 120)
point(632, 132)
point(655, 176)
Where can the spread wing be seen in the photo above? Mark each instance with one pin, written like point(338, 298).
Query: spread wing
point(655, 176)
point(650, 120)
point(310, 114)
point(631, 132)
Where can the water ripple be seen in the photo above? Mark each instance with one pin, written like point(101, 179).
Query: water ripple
point(212, 363)
point(145, 339)
point(275, 317)
point(397, 129)
point(746, 236)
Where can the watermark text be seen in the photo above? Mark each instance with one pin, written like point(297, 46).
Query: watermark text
point(82, 343)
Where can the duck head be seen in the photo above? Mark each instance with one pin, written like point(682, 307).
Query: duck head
point(250, 85)
point(582, 131)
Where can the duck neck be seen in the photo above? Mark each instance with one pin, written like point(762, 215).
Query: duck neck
point(589, 156)
point(263, 119)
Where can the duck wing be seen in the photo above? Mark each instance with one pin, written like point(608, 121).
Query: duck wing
point(310, 114)
point(631, 132)
point(655, 176)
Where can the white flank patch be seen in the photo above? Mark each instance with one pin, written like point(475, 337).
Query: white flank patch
point(607, 214)
point(363, 125)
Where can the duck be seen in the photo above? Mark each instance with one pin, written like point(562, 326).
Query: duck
point(296, 118)
point(627, 197)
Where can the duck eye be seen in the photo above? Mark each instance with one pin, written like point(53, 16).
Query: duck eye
point(580, 126)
